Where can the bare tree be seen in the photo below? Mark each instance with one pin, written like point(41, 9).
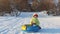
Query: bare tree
point(4, 7)
point(14, 11)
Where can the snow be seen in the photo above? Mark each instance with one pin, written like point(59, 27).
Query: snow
point(12, 25)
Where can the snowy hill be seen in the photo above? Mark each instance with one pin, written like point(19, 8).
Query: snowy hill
point(12, 25)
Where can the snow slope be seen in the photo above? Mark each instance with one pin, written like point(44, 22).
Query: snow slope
point(12, 25)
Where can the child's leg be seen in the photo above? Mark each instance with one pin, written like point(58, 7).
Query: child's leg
point(39, 26)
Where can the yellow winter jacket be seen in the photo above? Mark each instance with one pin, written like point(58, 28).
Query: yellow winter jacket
point(34, 20)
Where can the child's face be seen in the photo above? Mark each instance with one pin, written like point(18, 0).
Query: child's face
point(35, 16)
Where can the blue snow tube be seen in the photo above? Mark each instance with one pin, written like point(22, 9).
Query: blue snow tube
point(34, 28)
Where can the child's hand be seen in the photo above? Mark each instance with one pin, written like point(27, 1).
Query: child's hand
point(33, 21)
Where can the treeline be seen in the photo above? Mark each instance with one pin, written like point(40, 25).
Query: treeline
point(4, 5)
point(24, 5)
point(37, 5)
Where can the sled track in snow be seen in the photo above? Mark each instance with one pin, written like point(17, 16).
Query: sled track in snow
point(5, 28)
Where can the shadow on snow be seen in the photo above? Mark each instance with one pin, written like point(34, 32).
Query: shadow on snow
point(49, 31)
